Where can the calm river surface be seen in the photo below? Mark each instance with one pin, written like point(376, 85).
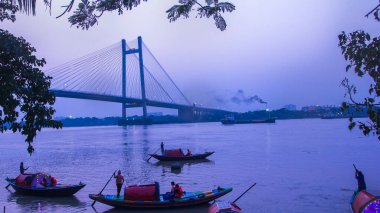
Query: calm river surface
point(299, 165)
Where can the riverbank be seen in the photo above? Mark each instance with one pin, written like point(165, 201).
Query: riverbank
point(281, 114)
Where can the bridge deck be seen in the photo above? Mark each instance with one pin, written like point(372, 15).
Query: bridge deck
point(133, 101)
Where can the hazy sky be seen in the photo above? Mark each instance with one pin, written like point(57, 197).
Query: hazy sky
point(283, 51)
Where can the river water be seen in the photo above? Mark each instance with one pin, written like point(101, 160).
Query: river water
point(299, 165)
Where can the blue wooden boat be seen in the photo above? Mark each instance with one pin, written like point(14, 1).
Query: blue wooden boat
point(189, 199)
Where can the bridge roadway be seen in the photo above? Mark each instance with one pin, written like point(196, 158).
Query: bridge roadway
point(133, 102)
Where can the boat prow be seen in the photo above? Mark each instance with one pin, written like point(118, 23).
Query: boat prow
point(365, 202)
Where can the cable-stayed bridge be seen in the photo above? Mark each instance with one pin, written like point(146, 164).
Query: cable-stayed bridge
point(126, 73)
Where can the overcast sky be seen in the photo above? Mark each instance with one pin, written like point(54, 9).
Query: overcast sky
point(283, 51)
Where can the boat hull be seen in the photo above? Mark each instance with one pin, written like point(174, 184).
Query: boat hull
point(365, 202)
point(186, 201)
point(56, 191)
point(183, 158)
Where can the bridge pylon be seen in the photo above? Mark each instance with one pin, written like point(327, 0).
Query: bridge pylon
point(125, 52)
point(124, 77)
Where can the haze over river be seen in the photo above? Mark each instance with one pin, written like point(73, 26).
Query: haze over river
point(299, 165)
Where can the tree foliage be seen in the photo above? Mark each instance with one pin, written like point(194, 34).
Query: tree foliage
point(362, 51)
point(25, 100)
point(88, 12)
point(8, 10)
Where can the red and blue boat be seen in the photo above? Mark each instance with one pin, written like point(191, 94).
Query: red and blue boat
point(41, 184)
point(149, 197)
point(365, 202)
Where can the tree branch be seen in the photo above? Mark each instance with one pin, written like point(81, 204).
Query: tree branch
point(372, 11)
point(68, 8)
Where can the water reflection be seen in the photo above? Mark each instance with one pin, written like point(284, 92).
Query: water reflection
point(44, 204)
point(196, 209)
point(177, 166)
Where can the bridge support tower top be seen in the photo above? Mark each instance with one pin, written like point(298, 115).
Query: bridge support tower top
point(125, 52)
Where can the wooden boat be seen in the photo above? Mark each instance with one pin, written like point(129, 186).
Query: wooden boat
point(189, 199)
point(222, 206)
point(34, 187)
point(365, 202)
point(182, 157)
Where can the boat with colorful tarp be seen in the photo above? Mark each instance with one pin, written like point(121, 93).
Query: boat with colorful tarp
point(149, 197)
point(42, 184)
point(224, 207)
point(365, 202)
point(178, 155)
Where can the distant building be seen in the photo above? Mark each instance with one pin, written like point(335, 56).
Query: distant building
point(290, 107)
point(318, 108)
point(309, 108)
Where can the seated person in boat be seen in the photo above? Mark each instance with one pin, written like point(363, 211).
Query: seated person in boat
point(170, 195)
point(53, 181)
point(178, 192)
point(188, 152)
point(173, 187)
point(44, 182)
point(361, 182)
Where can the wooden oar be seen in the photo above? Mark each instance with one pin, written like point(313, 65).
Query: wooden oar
point(243, 193)
point(8, 184)
point(153, 154)
point(104, 187)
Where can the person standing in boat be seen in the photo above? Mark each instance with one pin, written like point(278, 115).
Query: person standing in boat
point(361, 182)
point(119, 182)
point(162, 148)
point(22, 169)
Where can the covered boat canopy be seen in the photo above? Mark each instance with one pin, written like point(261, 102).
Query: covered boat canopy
point(33, 180)
point(174, 153)
point(365, 202)
point(149, 192)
